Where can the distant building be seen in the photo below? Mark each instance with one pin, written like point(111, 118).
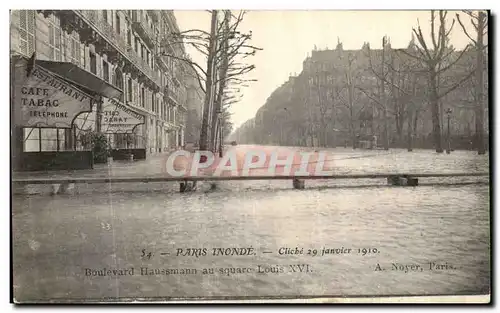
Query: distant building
point(195, 100)
point(335, 99)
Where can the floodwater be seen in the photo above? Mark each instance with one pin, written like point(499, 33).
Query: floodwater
point(351, 241)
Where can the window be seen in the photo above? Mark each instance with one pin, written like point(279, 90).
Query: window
point(153, 104)
point(105, 14)
point(105, 70)
point(117, 23)
point(129, 90)
point(52, 139)
point(27, 31)
point(83, 57)
point(170, 63)
point(122, 141)
point(143, 97)
point(54, 38)
point(129, 36)
point(136, 44)
point(118, 78)
point(31, 139)
point(93, 63)
point(118, 81)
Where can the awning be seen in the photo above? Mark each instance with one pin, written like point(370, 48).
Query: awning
point(42, 98)
point(76, 75)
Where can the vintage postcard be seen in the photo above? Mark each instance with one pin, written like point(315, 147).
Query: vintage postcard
point(250, 156)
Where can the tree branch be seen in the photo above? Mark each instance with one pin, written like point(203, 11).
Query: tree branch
point(193, 65)
point(421, 40)
point(411, 55)
point(444, 69)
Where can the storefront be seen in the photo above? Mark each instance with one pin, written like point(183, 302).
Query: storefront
point(52, 103)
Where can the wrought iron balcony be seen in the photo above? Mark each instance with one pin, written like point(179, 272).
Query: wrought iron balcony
point(106, 31)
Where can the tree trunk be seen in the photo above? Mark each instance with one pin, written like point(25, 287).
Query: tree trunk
point(436, 121)
point(383, 98)
point(398, 116)
point(217, 108)
point(351, 128)
point(99, 116)
point(479, 87)
point(207, 106)
point(415, 124)
point(325, 135)
point(353, 136)
point(409, 130)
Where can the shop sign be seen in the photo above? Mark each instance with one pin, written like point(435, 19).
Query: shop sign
point(43, 99)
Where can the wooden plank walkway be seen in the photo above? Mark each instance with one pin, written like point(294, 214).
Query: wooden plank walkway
point(145, 179)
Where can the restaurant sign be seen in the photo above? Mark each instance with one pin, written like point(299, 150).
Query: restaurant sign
point(117, 118)
point(42, 99)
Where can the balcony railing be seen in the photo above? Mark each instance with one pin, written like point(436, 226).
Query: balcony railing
point(119, 42)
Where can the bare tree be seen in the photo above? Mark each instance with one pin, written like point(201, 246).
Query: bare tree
point(348, 102)
point(223, 47)
point(381, 76)
point(479, 21)
point(324, 106)
point(403, 77)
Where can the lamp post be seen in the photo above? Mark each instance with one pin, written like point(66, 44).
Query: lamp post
point(448, 148)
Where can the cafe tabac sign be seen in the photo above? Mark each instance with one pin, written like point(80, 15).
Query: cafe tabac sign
point(117, 118)
point(43, 99)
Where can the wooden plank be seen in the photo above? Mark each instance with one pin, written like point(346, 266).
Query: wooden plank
point(146, 179)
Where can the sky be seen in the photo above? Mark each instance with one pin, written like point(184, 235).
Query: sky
point(288, 37)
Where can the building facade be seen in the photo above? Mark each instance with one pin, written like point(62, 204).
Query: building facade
point(131, 51)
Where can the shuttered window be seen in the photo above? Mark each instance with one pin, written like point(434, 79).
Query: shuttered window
point(129, 89)
point(136, 93)
point(118, 29)
point(27, 31)
point(105, 70)
point(75, 49)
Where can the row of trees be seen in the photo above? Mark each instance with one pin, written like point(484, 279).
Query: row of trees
point(385, 92)
point(223, 73)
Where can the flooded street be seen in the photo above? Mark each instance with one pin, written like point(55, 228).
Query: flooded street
point(331, 239)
